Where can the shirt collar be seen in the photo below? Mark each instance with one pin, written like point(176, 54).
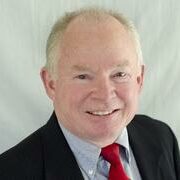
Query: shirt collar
point(123, 140)
point(87, 154)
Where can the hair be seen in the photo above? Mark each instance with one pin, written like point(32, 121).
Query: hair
point(57, 32)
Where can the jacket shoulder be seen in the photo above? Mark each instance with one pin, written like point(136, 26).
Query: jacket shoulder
point(160, 139)
point(150, 125)
point(152, 131)
point(19, 160)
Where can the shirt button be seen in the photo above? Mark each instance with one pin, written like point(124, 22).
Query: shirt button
point(90, 172)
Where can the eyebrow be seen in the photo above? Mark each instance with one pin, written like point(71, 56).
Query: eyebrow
point(80, 68)
point(86, 68)
point(124, 63)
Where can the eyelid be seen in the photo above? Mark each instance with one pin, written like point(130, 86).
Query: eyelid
point(120, 73)
point(125, 78)
point(83, 76)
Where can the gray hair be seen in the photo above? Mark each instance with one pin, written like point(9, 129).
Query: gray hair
point(60, 26)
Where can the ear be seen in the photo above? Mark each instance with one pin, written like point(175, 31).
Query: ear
point(140, 78)
point(49, 83)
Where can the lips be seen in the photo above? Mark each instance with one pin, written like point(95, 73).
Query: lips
point(102, 113)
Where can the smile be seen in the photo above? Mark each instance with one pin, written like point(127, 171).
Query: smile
point(102, 113)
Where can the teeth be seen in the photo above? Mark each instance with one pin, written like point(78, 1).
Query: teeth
point(101, 113)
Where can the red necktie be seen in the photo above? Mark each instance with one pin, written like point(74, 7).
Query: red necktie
point(111, 154)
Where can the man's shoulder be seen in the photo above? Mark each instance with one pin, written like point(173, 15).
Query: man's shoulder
point(22, 157)
point(147, 121)
point(141, 118)
point(151, 128)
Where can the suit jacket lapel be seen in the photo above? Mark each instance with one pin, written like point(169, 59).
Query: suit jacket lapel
point(146, 152)
point(59, 161)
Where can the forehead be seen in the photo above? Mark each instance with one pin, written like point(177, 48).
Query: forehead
point(100, 41)
point(87, 67)
point(93, 30)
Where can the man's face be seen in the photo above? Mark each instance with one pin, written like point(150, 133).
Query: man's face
point(98, 81)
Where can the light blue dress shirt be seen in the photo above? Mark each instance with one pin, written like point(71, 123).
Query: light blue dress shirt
point(92, 165)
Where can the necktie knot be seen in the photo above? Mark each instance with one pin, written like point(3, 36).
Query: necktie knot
point(111, 154)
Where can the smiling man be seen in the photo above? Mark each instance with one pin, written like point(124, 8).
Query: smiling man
point(94, 75)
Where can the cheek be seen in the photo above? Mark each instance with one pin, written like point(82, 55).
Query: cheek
point(128, 93)
point(123, 91)
point(71, 95)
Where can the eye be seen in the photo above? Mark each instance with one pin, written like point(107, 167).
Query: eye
point(82, 76)
point(120, 74)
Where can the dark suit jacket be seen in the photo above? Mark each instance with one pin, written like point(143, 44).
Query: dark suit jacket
point(45, 155)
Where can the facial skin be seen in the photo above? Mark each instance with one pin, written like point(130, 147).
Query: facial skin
point(95, 94)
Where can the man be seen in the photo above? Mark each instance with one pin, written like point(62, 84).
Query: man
point(94, 75)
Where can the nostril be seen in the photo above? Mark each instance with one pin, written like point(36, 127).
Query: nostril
point(116, 110)
point(88, 112)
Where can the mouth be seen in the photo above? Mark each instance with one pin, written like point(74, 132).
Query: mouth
point(102, 113)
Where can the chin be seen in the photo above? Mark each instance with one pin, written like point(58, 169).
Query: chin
point(105, 137)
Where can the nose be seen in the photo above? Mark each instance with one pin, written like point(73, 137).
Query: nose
point(103, 90)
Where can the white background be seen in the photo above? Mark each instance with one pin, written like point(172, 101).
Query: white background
point(24, 27)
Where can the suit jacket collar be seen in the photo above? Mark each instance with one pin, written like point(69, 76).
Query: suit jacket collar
point(59, 161)
point(146, 152)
